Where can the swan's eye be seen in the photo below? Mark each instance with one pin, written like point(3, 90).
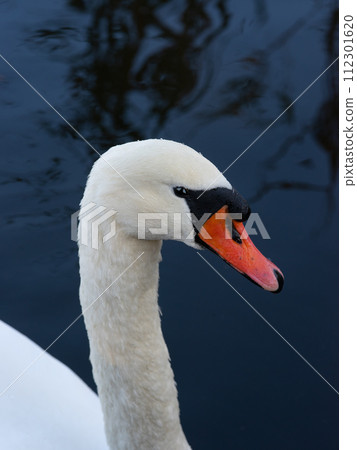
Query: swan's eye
point(180, 191)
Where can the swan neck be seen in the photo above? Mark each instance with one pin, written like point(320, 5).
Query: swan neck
point(128, 353)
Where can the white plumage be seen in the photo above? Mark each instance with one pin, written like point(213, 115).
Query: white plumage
point(49, 407)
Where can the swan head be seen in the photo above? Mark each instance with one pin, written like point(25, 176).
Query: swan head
point(162, 189)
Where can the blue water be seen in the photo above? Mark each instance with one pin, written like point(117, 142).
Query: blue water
point(214, 75)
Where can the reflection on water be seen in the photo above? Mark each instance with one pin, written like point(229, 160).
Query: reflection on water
point(324, 128)
point(145, 62)
point(325, 125)
point(213, 74)
point(138, 68)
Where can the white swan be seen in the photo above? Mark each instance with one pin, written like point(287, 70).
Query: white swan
point(119, 281)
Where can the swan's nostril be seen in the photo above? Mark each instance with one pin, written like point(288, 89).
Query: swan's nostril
point(236, 236)
point(280, 279)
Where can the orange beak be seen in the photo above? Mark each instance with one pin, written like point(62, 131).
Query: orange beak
point(231, 242)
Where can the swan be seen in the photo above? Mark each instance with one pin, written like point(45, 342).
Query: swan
point(156, 189)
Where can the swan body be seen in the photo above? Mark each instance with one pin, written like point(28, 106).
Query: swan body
point(119, 299)
point(49, 407)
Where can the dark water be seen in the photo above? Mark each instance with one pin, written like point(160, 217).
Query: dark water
point(214, 75)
